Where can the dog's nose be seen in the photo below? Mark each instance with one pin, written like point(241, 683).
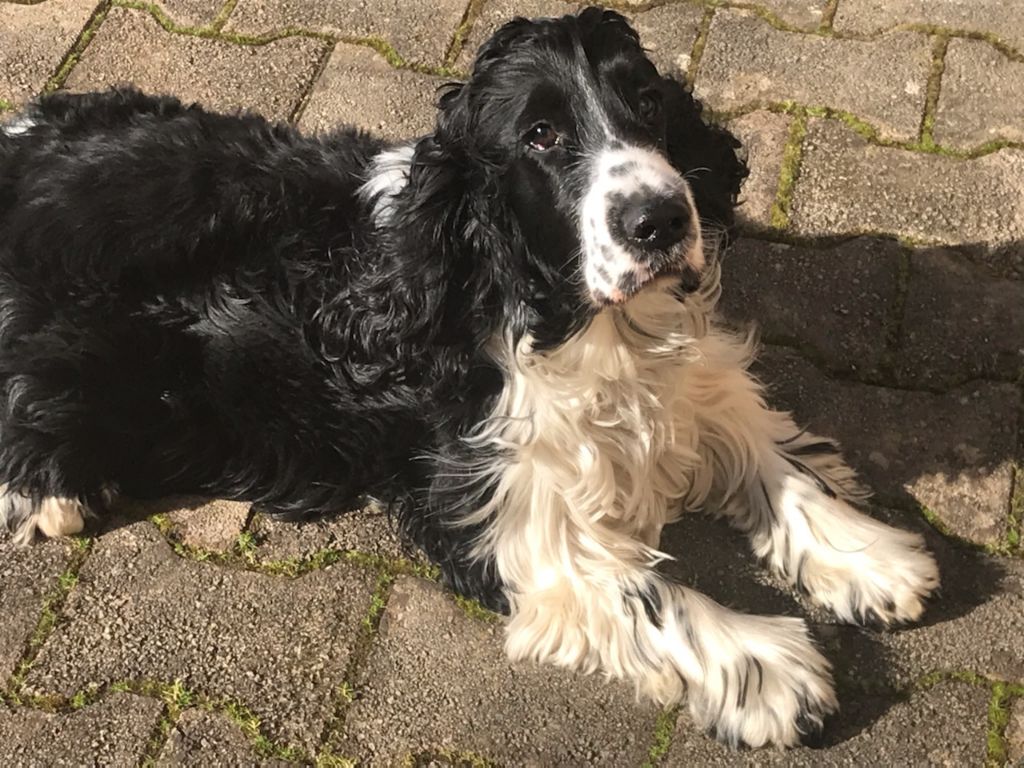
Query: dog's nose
point(656, 225)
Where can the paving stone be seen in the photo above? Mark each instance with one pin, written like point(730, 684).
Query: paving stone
point(986, 16)
point(975, 624)
point(668, 34)
point(202, 739)
point(834, 301)
point(421, 694)
point(191, 13)
point(749, 62)
point(980, 98)
point(494, 13)
point(419, 32)
point(113, 731)
point(764, 136)
point(959, 323)
point(278, 645)
point(849, 186)
point(359, 87)
point(366, 530)
point(268, 79)
point(27, 576)
point(951, 452)
point(944, 725)
point(802, 14)
point(211, 524)
point(34, 40)
point(1015, 734)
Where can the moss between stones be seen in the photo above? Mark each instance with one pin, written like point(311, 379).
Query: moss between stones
point(789, 171)
point(223, 15)
point(214, 31)
point(699, 44)
point(58, 78)
point(49, 617)
point(774, 20)
point(469, 17)
point(926, 136)
point(475, 610)
point(661, 741)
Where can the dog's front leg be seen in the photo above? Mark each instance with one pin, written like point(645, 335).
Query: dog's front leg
point(751, 680)
point(790, 491)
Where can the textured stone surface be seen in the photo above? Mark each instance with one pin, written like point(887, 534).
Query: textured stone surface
point(359, 87)
point(418, 695)
point(494, 13)
point(802, 14)
point(113, 731)
point(848, 186)
point(959, 323)
point(1015, 733)
point(942, 726)
point(34, 40)
point(951, 452)
point(764, 136)
point(836, 301)
point(367, 530)
point(191, 13)
point(668, 34)
point(419, 32)
point(200, 739)
point(976, 624)
point(982, 91)
point(264, 78)
point(210, 524)
point(986, 16)
point(27, 576)
point(748, 62)
point(140, 612)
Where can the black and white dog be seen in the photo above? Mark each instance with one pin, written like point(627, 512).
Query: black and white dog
point(504, 328)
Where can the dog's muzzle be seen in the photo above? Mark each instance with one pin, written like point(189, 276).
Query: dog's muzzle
point(639, 224)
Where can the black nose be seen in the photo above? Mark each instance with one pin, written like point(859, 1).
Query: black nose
point(658, 224)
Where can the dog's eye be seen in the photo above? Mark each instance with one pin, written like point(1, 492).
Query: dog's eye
point(649, 106)
point(541, 137)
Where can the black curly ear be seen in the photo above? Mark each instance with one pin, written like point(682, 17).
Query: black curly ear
point(705, 153)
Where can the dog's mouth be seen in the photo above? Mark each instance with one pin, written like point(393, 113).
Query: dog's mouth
point(679, 273)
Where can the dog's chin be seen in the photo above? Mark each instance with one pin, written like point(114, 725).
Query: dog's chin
point(680, 278)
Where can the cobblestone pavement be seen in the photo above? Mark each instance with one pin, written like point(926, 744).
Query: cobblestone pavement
point(883, 257)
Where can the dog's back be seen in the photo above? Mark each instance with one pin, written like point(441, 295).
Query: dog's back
point(156, 262)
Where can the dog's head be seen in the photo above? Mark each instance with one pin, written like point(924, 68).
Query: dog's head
point(603, 169)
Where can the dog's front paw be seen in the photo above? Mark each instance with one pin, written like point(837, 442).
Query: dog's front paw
point(764, 684)
point(883, 582)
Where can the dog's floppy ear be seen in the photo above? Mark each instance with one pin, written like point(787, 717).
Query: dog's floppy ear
point(705, 153)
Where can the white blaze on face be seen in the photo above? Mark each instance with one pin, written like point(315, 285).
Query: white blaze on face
point(617, 173)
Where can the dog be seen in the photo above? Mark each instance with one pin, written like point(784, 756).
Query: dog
point(505, 330)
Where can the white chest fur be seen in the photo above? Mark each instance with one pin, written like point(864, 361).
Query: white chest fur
point(601, 437)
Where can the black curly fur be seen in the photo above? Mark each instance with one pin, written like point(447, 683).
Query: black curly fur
point(194, 302)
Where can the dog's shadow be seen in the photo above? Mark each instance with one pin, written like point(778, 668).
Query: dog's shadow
point(713, 558)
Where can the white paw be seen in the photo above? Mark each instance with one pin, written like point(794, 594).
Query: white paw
point(53, 516)
point(887, 584)
point(57, 516)
point(863, 570)
point(765, 684)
